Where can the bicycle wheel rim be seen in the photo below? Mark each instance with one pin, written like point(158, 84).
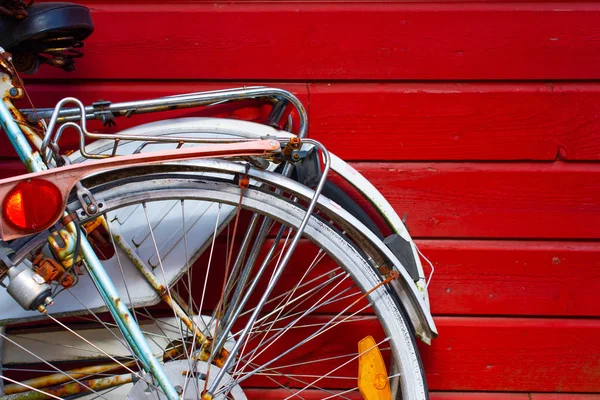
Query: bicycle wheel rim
point(194, 188)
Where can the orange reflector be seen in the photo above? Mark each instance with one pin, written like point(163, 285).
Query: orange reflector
point(32, 205)
point(373, 381)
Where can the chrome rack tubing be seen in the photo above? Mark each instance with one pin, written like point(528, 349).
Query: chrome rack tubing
point(277, 274)
point(193, 99)
point(52, 124)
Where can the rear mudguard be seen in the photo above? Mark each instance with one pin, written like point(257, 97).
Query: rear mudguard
point(412, 292)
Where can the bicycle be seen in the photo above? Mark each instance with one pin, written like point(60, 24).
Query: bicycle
point(183, 305)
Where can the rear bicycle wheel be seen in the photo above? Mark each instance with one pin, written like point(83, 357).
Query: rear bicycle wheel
point(304, 343)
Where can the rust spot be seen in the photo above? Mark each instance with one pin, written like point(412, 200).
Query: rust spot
point(51, 271)
point(30, 130)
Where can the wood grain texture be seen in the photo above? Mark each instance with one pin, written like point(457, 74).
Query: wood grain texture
point(457, 121)
point(514, 354)
point(564, 396)
point(514, 277)
point(412, 121)
point(315, 394)
point(492, 200)
point(11, 168)
point(341, 41)
point(472, 277)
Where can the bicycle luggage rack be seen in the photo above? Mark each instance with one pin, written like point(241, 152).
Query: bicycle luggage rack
point(69, 117)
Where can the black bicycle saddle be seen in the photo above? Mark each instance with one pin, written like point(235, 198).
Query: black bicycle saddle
point(50, 34)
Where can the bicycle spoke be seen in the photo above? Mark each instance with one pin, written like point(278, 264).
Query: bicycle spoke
point(166, 284)
point(45, 362)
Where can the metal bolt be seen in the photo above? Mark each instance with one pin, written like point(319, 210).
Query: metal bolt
point(13, 91)
point(92, 209)
point(49, 301)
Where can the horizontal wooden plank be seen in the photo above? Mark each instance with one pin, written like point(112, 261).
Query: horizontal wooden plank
point(457, 121)
point(447, 200)
point(411, 121)
point(316, 394)
point(341, 41)
point(47, 95)
point(513, 278)
point(492, 200)
point(564, 396)
point(514, 354)
point(474, 277)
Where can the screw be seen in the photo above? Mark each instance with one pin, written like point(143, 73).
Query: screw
point(92, 209)
point(13, 91)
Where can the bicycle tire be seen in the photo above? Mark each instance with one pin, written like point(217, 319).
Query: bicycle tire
point(127, 189)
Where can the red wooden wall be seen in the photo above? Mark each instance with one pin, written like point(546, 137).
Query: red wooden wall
point(479, 120)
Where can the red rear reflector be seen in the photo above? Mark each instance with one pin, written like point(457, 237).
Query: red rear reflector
point(32, 205)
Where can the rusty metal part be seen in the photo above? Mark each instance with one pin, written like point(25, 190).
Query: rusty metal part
point(92, 225)
point(221, 303)
point(160, 289)
point(384, 269)
point(67, 219)
point(3, 272)
point(5, 65)
point(58, 378)
point(204, 354)
point(293, 144)
point(62, 243)
point(51, 271)
point(73, 388)
point(173, 353)
point(33, 132)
